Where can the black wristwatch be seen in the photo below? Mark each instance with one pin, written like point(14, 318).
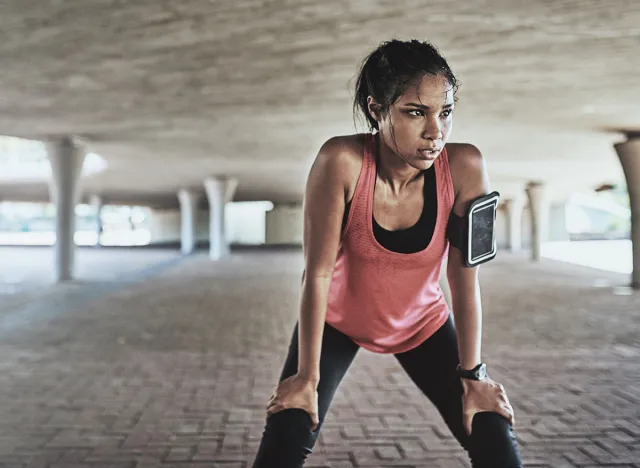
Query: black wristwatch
point(477, 373)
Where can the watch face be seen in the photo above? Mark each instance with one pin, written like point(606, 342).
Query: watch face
point(482, 372)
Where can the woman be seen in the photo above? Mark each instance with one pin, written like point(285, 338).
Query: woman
point(375, 216)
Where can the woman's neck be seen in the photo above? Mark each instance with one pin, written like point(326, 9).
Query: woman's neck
point(392, 170)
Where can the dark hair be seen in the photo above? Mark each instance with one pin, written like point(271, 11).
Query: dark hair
point(390, 69)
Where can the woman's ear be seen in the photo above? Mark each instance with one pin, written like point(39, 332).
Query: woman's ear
point(374, 109)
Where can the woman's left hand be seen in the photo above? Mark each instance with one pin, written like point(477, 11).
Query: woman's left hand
point(484, 395)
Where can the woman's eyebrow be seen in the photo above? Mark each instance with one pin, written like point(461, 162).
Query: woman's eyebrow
point(422, 106)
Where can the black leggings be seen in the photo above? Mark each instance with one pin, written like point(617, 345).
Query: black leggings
point(288, 440)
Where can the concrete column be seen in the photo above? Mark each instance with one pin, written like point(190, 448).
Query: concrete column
point(66, 157)
point(539, 208)
point(629, 154)
point(97, 203)
point(513, 209)
point(188, 209)
point(219, 191)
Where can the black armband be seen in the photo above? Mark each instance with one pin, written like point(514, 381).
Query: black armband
point(474, 233)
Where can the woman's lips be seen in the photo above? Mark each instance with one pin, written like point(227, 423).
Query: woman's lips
point(429, 153)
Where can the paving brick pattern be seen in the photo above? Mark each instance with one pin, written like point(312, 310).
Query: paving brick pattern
point(175, 370)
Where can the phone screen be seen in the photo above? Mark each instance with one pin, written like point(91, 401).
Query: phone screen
point(482, 235)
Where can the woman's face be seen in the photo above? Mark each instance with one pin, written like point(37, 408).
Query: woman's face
point(418, 125)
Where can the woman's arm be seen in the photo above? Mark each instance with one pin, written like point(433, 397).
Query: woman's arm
point(324, 206)
point(470, 179)
point(470, 182)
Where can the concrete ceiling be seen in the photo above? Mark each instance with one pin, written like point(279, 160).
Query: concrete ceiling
point(170, 92)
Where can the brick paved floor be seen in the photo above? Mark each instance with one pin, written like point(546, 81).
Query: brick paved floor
point(174, 371)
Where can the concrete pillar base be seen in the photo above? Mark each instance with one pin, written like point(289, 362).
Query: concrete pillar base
point(66, 157)
point(220, 191)
point(188, 209)
point(629, 154)
point(97, 203)
point(513, 209)
point(539, 208)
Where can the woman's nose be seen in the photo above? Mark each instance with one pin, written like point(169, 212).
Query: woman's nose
point(432, 131)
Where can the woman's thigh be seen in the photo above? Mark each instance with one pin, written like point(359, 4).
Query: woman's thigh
point(336, 355)
point(287, 439)
point(432, 367)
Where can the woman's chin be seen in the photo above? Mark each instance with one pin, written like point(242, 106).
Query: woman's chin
point(423, 164)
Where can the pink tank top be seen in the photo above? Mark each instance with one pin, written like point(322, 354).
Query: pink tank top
point(388, 302)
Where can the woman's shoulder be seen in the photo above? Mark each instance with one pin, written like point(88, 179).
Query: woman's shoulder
point(345, 149)
point(464, 158)
point(467, 167)
point(462, 153)
point(343, 156)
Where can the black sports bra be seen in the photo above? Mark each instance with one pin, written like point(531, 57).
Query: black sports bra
point(417, 237)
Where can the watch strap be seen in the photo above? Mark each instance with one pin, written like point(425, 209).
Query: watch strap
point(477, 373)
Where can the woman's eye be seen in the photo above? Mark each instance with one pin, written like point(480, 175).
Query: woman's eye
point(447, 113)
point(416, 113)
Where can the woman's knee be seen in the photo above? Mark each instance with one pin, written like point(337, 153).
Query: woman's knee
point(287, 439)
point(493, 442)
point(292, 423)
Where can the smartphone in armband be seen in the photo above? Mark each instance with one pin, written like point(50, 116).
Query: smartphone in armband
point(474, 234)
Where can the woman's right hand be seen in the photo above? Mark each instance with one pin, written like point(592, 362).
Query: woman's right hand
point(295, 392)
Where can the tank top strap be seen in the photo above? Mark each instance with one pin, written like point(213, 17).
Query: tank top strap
point(359, 203)
point(444, 183)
